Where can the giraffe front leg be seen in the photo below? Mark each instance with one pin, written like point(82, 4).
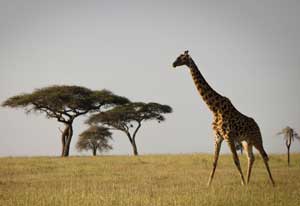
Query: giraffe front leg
point(236, 158)
point(218, 143)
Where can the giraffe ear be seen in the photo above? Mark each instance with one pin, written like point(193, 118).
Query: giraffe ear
point(186, 52)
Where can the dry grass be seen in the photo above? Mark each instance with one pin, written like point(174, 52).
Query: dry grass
point(146, 180)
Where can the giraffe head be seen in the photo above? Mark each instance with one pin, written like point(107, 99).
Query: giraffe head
point(183, 59)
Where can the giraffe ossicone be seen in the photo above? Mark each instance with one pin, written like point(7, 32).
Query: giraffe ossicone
point(229, 124)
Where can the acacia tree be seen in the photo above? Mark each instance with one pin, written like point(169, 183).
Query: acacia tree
point(289, 135)
point(95, 138)
point(65, 104)
point(128, 118)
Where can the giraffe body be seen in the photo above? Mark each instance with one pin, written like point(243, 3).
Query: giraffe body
point(229, 124)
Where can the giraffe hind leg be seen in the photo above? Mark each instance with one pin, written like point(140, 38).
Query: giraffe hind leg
point(218, 143)
point(236, 159)
point(249, 152)
point(265, 157)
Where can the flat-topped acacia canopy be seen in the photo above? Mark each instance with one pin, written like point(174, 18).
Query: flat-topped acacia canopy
point(64, 102)
point(124, 116)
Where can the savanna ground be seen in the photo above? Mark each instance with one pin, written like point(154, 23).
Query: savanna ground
point(146, 180)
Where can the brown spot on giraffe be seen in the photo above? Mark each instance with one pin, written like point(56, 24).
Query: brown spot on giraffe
point(229, 124)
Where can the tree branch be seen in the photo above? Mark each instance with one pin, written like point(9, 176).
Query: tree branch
point(136, 130)
point(129, 136)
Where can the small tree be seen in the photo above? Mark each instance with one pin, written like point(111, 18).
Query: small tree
point(65, 104)
point(95, 138)
point(289, 135)
point(129, 118)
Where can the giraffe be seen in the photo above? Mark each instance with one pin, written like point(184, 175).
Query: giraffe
point(229, 124)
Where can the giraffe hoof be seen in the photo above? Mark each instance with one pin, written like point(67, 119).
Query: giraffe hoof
point(208, 184)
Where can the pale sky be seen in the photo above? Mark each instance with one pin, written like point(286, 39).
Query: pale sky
point(247, 50)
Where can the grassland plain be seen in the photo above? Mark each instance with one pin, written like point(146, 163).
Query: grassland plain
point(150, 180)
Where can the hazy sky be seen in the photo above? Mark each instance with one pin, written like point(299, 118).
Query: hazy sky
point(248, 51)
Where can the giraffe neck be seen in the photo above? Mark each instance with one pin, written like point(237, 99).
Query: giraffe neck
point(209, 95)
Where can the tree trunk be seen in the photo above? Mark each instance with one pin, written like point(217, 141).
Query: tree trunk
point(94, 151)
point(64, 137)
point(63, 143)
point(132, 142)
point(288, 145)
point(135, 152)
point(288, 154)
point(68, 139)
